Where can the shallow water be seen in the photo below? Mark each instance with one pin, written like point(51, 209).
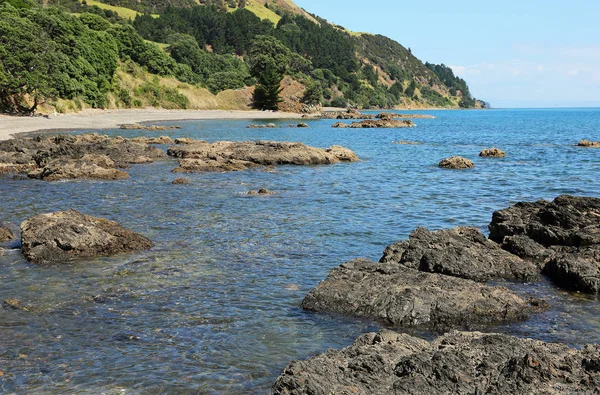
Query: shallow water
point(213, 307)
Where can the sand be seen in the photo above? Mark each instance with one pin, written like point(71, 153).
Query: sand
point(110, 119)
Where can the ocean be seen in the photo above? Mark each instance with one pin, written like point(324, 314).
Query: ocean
point(213, 308)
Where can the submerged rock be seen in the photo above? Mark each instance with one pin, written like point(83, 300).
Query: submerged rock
point(457, 363)
point(460, 252)
point(63, 236)
point(492, 153)
point(180, 181)
point(456, 162)
point(404, 142)
point(261, 191)
point(234, 156)
point(400, 297)
point(261, 126)
point(137, 126)
point(589, 144)
point(563, 236)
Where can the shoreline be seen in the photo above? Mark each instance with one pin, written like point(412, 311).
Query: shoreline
point(11, 126)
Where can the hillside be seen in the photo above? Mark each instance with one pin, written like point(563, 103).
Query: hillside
point(65, 55)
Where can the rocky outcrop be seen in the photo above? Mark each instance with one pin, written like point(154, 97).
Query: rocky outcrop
point(63, 236)
point(492, 153)
point(235, 156)
point(456, 162)
point(460, 252)
point(457, 363)
point(402, 297)
point(589, 144)
point(562, 236)
point(153, 140)
point(74, 156)
point(137, 126)
point(380, 123)
point(392, 115)
point(349, 114)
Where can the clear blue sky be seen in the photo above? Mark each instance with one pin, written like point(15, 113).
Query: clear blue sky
point(528, 53)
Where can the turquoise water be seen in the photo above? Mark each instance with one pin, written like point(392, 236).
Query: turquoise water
point(213, 307)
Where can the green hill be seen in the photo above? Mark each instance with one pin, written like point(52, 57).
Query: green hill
point(71, 54)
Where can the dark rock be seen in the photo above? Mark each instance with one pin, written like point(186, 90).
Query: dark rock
point(62, 236)
point(74, 156)
point(180, 181)
point(349, 114)
point(563, 236)
point(460, 252)
point(401, 297)
point(16, 304)
point(589, 144)
point(457, 363)
point(233, 156)
point(341, 125)
point(492, 153)
point(456, 162)
point(153, 140)
point(261, 191)
point(137, 126)
point(302, 125)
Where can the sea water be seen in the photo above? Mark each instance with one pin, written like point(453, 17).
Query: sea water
point(214, 307)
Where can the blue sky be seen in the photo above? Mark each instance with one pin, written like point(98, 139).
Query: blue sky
point(528, 53)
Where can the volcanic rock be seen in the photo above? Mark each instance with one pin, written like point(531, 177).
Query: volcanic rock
point(457, 363)
point(460, 252)
point(63, 236)
point(400, 297)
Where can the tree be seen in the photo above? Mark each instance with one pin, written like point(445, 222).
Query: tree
point(313, 94)
point(266, 94)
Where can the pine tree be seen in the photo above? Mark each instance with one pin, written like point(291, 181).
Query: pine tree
point(266, 94)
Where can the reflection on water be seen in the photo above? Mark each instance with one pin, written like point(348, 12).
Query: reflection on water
point(213, 308)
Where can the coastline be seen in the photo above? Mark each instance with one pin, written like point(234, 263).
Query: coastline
point(10, 126)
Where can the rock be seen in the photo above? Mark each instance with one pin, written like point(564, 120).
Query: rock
point(492, 153)
point(74, 156)
point(589, 144)
point(302, 125)
point(261, 191)
point(349, 114)
point(340, 125)
point(233, 156)
point(421, 116)
point(5, 234)
point(261, 126)
point(456, 162)
point(456, 363)
point(385, 116)
point(153, 140)
point(137, 126)
point(185, 140)
point(16, 304)
point(403, 142)
point(460, 252)
point(63, 236)
point(562, 236)
point(402, 297)
point(180, 181)
point(381, 123)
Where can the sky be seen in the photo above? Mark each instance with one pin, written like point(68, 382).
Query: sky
point(527, 53)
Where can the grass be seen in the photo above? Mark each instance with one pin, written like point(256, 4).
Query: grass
point(262, 12)
point(126, 13)
point(162, 46)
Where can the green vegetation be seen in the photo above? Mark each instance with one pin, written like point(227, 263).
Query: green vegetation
point(71, 51)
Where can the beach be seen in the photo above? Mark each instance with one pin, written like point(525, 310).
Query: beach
point(109, 119)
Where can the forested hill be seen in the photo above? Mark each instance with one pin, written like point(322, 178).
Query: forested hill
point(65, 55)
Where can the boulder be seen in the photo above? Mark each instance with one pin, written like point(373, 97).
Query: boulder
point(232, 156)
point(492, 153)
point(456, 162)
point(401, 297)
point(589, 144)
point(341, 125)
point(562, 236)
point(456, 363)
point(460, 252)
point(63, 236)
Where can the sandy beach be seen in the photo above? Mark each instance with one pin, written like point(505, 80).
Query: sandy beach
point(108, 119)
